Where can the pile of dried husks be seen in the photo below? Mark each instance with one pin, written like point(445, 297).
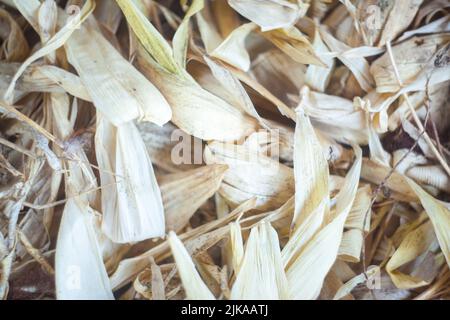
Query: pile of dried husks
point(224, 149)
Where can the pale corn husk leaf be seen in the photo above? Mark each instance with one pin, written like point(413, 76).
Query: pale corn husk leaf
point(411, 57)
point(399, 18)
point(439, 216)
point(48, 19)
point(149, 37)
point(66, 80)
point(236, 246)
point(310, 170)
point(131, 200)
point(281, 106)
point(193, 285)
point(164, 142)
point(297, 46)
point(357, 224)
point(304, 233)
point(318, 77)
point(41, 78)
point(195, 110)
point(261, 274)
point(351, 245)
point(52, 44)
point(359, 216)
point(236, 91)
point(352, 283)
point(428, 77)
point(413, 245)
point(270, 14)
point(183, 193)
point(251, 174)
point(80, 272)
point(181, 37)
point(209, 34)
point(335, 116)
point(112, 81)
point(377, 153)
point(232, 48)
point(29, 9)
point(307, 271)
point(282, 75)
point(410, 160)
point(431, 175)
point(357, 65)
point(439, 25)
point(29, 82)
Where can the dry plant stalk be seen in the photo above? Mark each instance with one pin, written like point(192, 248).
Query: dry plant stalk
point(225, 149)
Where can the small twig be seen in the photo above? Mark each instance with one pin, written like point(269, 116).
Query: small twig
point(9, 167)
point(35, 253)
point(20, 149)
point(436, 137)
point(12, 112)
point(59, 202)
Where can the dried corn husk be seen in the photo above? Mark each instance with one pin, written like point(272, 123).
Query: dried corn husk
point(80, 272)
point(52, 44)
point(439, 216)
point(411, 57)
point(181, 37)
point(357, 225)
point(195, 110)
point(79, 269)
point(415, 243)
point(230, 49)
point(311, 172)
point(306, 278)
point(431, 175)
point(270, 14)
point(150, 38)
point(281, 74)
point(236, 246)
point(129, 86)
point(261, 274)
point(292, 42)
point(399, 18)
point(183, 193)
point(193, 285)
point(335, 115)
point(318, 77)
point(251, 174)
point(132, 266)
point(131, 200)
point(357, 64)
point(163, 142)
point(376, 173)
